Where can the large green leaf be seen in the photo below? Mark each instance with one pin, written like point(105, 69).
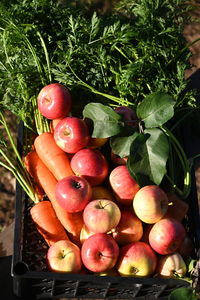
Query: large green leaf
point(183, 294)
point(121, 145)
point(156, 109)
point(148, 156)
point(106, 122)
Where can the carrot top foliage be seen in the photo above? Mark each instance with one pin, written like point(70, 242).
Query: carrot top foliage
point(135, 49)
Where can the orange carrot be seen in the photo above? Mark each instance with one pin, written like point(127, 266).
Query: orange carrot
point(47, 223)
point(52, 156)
point(41, 174)
point(29, 165)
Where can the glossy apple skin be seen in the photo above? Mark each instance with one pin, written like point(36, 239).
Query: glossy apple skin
point(71, 134)
point(102, 215)
point(85, 233)
point(99, 252)
point(128, 114)
point(178, 208)
point(136, 260)
point(123, 185)
point(171, 265)
point(117, 160)
point(110, 272)
point(102, 192)
point(54, 123)
point(97, 142)
point(129, 228)
point(90, 164)
point(166, 236)
point(64, 256)
point(73, 193)
point(150, 204)
point(186, 248)
point(54, 101)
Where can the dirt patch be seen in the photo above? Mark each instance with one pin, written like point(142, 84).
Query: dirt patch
point(7, 183)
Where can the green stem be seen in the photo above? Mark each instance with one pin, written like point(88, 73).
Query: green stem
point(174, 186)
point(3, 121)
point(119, 101)
point(27, 42)
point(123, 54)
point(41, 123)
point(27, 187)
point(18, 169)
point(184, 162)
point(5, 49)
point(171, 161)
point(46, 55)
point(184, 115)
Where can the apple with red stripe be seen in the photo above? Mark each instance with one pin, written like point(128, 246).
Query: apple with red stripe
point(54, 101)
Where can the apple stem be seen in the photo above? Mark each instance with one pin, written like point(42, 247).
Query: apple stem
point(76, 184)
point(100, 205)
point(134, 270)
point(66, 133)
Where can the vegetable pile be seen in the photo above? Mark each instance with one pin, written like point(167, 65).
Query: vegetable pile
point(103, 100)
point(98, 208)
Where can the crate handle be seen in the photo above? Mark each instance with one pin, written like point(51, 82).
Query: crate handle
point(20, 268)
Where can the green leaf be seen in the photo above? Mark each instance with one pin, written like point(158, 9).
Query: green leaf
point(156, 109)
point(191, 265)
point(148, 156)
point(121, 145)
point(106, 122)
point(183, 294)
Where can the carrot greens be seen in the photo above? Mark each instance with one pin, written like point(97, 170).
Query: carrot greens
point(14, 163)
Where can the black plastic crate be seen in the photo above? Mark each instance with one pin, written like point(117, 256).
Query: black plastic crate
point(31, 276)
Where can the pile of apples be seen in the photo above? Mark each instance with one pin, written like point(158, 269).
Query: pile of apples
point(128, 230)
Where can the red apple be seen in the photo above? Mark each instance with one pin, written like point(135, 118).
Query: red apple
point(71, 134)
point(97, 142)
point(102, 192)
point(166, 236)
point(85, 233)
point(129, 229)
point(150, 204)
point(99, 252)
point(117, 160)
point(54, 101)
point(146, 230)
point(123, 185)
point(129, 115)
point(137, 260)
point(73, 193)
point(90, 164)
point(186, 248)
point(102, 215)
point(110, 272)
point(64, 256)
point(54, 123)
point(177, 208)
point(171, 265)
